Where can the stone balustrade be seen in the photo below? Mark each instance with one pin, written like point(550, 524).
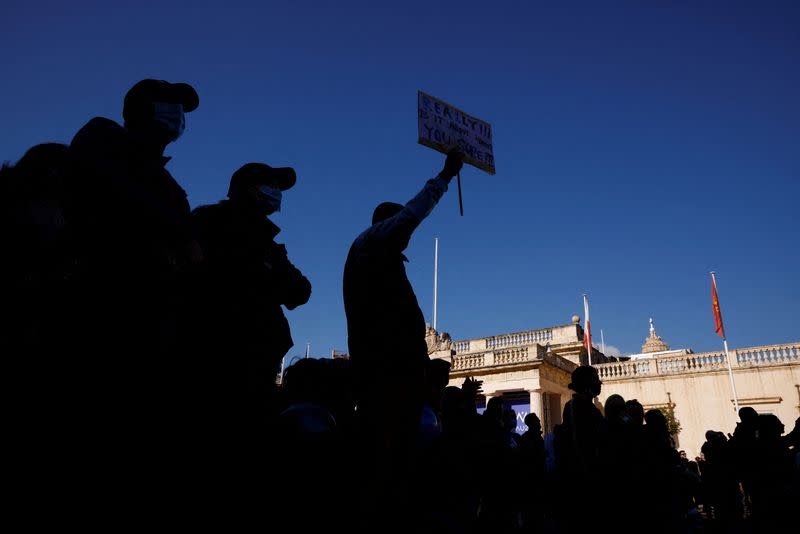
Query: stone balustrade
point(767, 355)
point(461, 346)
point(518, 339)
point(468, 361)
point(511, 356)
point(522, 338)
point(477, 360)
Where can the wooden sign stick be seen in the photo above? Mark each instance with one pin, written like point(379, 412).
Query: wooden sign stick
point(460, 205)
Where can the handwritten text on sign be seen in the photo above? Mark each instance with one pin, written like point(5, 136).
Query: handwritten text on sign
point(441, 126)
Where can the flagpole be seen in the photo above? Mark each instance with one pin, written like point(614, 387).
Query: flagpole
point(727, 355)
point(587, 334)
point(602, 341)
point(435, 278)
point(730, 374)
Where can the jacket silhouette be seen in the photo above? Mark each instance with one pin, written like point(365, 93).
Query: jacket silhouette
point(247, 275)
point(383, 314)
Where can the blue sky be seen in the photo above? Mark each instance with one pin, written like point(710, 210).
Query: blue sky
point(639, 145)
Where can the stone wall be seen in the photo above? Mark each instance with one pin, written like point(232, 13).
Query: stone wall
point(698, 387)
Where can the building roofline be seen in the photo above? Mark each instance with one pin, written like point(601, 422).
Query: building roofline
point(516, 333)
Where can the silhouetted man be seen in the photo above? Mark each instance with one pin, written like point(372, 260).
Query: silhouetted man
point(248, 277)
point(133, 230)
point(532, 474)
point(133, 217)
point(239, 336)
point(579, 445)
point(385, 326)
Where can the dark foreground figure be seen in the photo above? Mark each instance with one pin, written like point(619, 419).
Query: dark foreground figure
point(386, 338)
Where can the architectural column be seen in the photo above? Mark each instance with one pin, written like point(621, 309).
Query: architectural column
point(536, 404)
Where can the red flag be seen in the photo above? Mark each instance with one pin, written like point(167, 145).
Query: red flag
point(587, 331)
point(720, 329)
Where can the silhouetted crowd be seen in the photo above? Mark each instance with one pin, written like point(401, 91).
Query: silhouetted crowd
point(144, 340)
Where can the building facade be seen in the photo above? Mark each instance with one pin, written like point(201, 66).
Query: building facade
point(531, 370)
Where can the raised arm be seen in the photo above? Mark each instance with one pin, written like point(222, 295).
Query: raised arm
point(398, 228)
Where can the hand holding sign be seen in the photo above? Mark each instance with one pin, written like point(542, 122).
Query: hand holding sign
point(453, 163)
point(442, 127)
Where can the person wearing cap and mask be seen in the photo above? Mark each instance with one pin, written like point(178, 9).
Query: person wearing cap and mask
point(247, 278)
point(135, 241)
point(134, 225)
point(386, 332)
point(138, 214)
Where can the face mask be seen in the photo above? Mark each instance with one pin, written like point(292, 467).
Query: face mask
point(270, 197)
point(170, 117)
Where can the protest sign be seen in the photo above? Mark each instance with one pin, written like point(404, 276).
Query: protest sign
point(442, 126)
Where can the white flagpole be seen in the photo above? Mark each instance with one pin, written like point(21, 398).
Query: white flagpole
point(308, 349)
point(602, 341)
point(730, 374)
point(727, 356)
point(435, 278)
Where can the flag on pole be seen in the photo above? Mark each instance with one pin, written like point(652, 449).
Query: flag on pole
point(587, 329)
point(720, 329)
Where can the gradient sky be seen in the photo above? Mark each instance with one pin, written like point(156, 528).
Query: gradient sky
point(639, 145)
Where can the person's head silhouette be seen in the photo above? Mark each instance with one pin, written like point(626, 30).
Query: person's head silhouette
point(635, 411)
point(533, 423)
point(748, 414)
point(260, 186)
point(385, 210)
point(156, 109)
point(585, 380)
